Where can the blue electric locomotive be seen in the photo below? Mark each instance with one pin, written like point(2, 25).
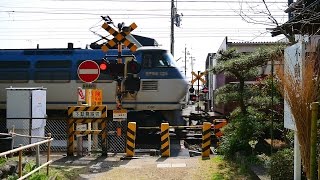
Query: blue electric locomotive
point(161, 89)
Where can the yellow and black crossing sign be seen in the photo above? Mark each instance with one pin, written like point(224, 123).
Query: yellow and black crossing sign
point(119, 37)
point(86, 114)
point(198, 77)
point(165, 140)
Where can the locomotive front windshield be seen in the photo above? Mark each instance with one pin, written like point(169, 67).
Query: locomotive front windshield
point(157, 59)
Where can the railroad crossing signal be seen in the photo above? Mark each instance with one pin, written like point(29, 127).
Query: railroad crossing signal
point(198, 77)
point(193, 97)
point(119, 37)
point(205, 90)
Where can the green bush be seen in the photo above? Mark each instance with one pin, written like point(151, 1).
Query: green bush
point(237, 135)
point(234, 139)
point(282, 164)
point(2, 161)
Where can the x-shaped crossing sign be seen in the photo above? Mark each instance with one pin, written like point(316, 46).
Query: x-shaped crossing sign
point(119, 37)
point(198, 77)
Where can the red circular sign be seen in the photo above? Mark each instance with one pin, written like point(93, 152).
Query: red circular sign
point(88, 71)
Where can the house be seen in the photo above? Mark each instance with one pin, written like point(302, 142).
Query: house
point(219, 80)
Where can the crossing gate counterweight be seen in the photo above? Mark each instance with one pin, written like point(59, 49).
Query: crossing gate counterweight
point(84, 115)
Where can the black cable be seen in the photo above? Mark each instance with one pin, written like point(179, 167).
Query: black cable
point(185, 1)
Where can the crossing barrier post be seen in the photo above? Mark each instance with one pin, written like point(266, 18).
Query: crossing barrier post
point(206, 140)
point(165, 140)
point(131, 138)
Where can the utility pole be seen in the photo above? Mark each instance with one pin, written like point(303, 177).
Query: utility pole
point(289, 14)
point(191, 59)
point(172, 27)
point(185, 61)
point(198, 107)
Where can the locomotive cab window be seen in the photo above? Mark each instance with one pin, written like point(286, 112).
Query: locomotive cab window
point(157, 59)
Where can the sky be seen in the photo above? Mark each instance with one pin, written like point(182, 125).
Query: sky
point(204, 25)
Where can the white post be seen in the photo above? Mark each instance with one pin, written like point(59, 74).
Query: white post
point(79, 143)
point(297, 157)
point(95, 136)
point(37, 155)
point(79, 137)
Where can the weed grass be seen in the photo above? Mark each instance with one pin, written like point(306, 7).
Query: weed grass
point(219, 168)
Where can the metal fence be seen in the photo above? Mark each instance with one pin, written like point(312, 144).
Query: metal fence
point(116, 135)
point(57, 126)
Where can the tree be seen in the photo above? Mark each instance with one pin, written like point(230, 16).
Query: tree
point(254, 100)
point(249, 15)
point(243, 67)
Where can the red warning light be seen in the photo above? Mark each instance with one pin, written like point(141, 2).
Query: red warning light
point(103, 66)
point(133, 67)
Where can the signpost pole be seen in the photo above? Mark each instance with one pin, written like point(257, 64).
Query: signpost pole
point(297, 158)
point(94, 124)
point(79, 137)
point(89, 124)
point(198, 108)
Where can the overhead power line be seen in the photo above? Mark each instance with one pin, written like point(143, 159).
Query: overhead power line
point(139, 28)
point(130, 10)
point(156, 37)
point(141, 33)
point(124, 14)
point(185, 1)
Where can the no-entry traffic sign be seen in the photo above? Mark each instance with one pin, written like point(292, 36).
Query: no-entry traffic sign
point(88, 71)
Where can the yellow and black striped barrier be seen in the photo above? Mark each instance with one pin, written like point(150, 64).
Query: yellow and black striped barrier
point(131, 139)
point(218, 124)
point(206, 139)
point(104, 137)
point(85, 114)
point(70, 137)
point(86, 132)
point(165, 140)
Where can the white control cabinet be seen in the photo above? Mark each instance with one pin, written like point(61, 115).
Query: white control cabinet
point(29, 104)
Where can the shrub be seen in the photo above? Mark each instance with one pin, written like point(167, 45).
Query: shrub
point(282, 164)
point(238, 133)
point(236, 137)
